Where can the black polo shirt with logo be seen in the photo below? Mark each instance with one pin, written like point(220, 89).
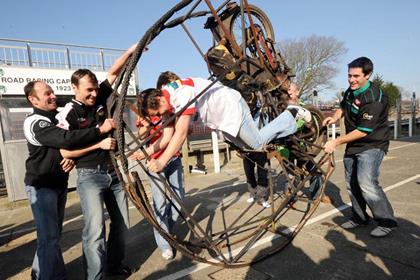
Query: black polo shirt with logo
point(366, 109)
point(76, 115)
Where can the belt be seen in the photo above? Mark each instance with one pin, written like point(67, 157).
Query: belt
point(105, 166)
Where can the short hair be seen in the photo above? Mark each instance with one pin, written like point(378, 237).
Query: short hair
point(29, 89)
point(362, 62)
point(80, 73)
point(166, 78)
point(148, 99)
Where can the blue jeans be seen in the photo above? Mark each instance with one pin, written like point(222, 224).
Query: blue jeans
point(48, 209)
point(165, 212)
point(254, 138)
point(361, 174)
point(96, 187)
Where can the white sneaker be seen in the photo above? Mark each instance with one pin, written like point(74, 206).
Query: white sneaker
point(301, 113)
point(250, 200)
point(266, 204)
point(168, 254)
point(350, 225)
point(380, 231)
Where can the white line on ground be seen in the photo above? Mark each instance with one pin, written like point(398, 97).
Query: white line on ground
point(200, 192)
point(200, 266)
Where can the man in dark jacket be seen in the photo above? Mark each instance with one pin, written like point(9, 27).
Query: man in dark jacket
point(47, 175)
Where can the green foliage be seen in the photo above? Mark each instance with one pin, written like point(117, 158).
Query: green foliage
point(389, 88)
point(393, 93)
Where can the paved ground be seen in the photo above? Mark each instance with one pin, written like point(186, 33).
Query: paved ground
point(322, 250)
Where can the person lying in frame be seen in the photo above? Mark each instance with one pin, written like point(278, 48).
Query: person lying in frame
point(220, 108)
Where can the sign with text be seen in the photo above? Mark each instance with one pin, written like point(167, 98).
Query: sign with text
point(14, 79)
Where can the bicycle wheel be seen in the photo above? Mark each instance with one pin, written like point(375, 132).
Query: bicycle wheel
point(259, 19)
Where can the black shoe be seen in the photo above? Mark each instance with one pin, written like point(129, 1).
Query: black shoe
point(122, 270)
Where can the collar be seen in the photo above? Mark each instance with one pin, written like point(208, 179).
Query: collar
point(362, 89)
point(48, 114)
point(77, 102)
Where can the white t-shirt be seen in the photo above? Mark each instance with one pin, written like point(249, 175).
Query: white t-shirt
point(218, 108)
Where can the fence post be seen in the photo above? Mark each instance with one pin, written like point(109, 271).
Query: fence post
point(28, 49)
point(215, 144)
point(333, 131)
point(395, 128)
point(410, 127)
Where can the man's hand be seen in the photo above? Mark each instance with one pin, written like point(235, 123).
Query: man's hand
point(137, 155)
point(67, 164)
point(108, 144)
point(140, 121)
point(107, 126)
point(330, 146)
point(155, 165)
point(328, 121)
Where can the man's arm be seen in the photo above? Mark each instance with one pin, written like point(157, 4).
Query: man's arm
point(158, 145)
point(105, 144)
point(115, 69)
point(330, 120)
point(178, 138)
point(43, 132)
point(331, 145)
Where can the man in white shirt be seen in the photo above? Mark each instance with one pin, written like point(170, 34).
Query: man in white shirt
point(220, 108)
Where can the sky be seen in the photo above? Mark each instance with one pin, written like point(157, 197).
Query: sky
point(386, 31)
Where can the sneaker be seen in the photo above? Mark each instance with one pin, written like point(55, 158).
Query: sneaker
point(250, 200)
point(350, 224)
point(266, 204)
point(380, 231)
point(122, 270)
point(168, 254)
point(301, 113)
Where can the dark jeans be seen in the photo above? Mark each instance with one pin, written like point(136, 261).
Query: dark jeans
point(257, 186)
point(362, 173)
point(96, 187)
point(48, 209)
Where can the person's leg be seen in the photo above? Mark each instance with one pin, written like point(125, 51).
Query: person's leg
point(368, 171)
point(283, 125)
point(90, 186)
point(47, 208)
point(358, 203)
point(175, 175)
point(116, 203)
point(249, 169)
point(263, 191)
point(161, 208)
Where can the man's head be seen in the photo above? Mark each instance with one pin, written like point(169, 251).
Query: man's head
point(152, 103)
point(85, 86)
point(359, 72)
point(166, 78)
point(41, 96)
point(294, 92)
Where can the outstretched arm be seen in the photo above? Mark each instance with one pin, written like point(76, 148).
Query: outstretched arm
point(115, 69)
point(178, 138)
point(156, 146)
point(105, 144)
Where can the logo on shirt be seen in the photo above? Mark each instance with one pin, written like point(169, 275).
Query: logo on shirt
point(43, 124)
point(366, 116)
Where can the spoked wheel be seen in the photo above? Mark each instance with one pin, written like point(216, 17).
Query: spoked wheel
point(261, 22)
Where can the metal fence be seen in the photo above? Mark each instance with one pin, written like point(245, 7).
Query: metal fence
point(40, 54)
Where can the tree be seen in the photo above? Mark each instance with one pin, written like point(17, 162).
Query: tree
point(393, 91)
point(313, 60)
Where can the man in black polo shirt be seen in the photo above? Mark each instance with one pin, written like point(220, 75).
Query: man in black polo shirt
point(97, 182)
point(365, 111)
point(47, 175)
